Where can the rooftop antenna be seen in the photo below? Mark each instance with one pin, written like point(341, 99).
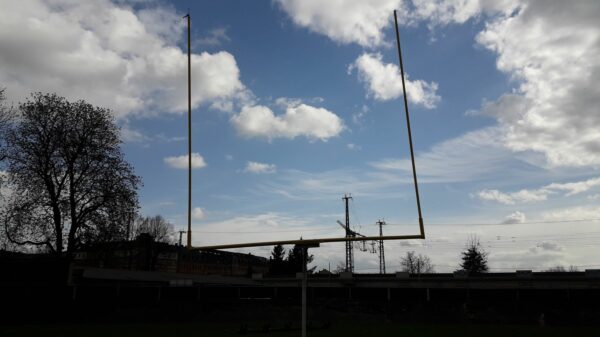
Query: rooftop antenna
point(189, 229)
point(412, 156)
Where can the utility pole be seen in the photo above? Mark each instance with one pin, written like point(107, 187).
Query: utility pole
point(381, 223)
point(180, 234)
point(189, 229)
point(349, 247)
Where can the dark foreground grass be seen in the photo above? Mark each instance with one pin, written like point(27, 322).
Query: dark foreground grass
point(348, 329)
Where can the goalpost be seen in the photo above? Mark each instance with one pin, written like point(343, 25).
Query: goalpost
point(313, 243)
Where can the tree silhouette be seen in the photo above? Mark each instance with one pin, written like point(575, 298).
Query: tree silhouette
point(474, 258)
point(156, 226)
point(295, 259)
point(70, 183)
point(416, 264)
point(561, 269)
point(277, 263)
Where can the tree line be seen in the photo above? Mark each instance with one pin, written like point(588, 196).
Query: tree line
point(281, 263)
point(473, 261)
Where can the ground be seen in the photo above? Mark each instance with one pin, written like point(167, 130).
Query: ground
point(348, 329)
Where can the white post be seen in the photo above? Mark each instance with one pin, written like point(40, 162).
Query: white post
point(304, 282)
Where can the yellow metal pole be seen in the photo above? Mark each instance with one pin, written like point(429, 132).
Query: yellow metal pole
point(309, 241)
point(410, 142)
point(189, 229)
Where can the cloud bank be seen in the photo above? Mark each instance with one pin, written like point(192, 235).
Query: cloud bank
point(108, 54)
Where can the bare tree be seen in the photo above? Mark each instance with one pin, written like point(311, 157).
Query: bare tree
point(340, 267)
point(70, 183)
point(416, 264)
point(156, 226)
point(561, 269)
point(474, 257)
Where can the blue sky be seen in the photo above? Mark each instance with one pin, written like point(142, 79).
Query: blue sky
point(298, 102)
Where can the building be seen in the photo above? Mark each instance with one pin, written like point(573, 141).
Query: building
point(145, 254)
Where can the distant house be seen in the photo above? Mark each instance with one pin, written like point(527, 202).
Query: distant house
point(324, 272)
point(217, 262)
point(143, 253)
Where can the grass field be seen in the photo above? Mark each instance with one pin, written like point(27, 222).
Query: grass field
point(349, 329)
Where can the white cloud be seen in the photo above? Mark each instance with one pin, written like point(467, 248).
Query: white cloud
point(353, 21)
point(110, 55)
point(131, 135)
point(383, 82)
point(352, 146)
point(443, 12)
point(197, 213)
point(550, 48)
point(215, 37)
point(284, 102)
point(259, 227)
point(522, 196)
point(258, 168)
point(298, 120)
point(575, 187)
point(539, 194)
point(472, 156)
point(542, 256)
point(412, 243)
point(514, 218)
point(329, 185)
point(572, 213)
point(357, 117)
point(548, 245)
point(364, 22)
point(181, 162)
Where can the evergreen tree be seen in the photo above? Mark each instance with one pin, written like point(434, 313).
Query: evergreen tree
point(294, 260)
point(277, 263)
point(474, 258)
